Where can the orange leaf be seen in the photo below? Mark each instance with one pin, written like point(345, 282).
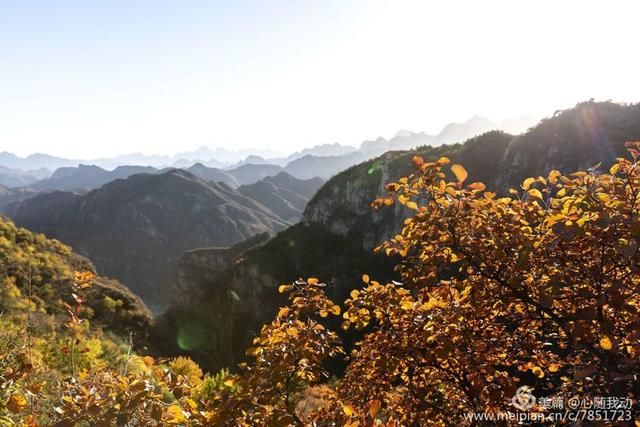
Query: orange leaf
point(17, 403)
point(374, 408)
point(349, 411)
point(476, 186)
point(605, 343)
point(537, 371)
point(536, 194)
point(460, 172)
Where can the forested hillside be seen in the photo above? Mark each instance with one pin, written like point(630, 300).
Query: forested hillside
point(72, 343)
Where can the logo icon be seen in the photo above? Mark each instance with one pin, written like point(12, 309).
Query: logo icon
point(523, 399)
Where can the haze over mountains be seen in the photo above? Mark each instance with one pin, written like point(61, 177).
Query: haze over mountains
point(225, 158)
point(20, 178)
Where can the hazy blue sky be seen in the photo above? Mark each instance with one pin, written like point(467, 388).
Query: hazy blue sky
point(96, 78)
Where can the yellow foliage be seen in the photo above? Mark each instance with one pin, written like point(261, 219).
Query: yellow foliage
point(188, 368)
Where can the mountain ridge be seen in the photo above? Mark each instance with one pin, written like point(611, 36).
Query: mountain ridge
point(284, 194)
point(223, 158)
point(149, 220)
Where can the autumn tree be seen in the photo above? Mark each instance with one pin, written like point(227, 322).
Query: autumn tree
point(540, 288)
point(288, 358)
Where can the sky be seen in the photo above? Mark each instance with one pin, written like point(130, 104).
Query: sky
point(88, 79)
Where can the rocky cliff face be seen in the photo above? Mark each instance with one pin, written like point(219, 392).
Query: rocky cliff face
point(339, 227)
point(199, 267)
point(343, 205)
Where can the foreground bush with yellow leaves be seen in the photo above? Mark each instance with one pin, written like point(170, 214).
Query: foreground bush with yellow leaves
point(540, 288)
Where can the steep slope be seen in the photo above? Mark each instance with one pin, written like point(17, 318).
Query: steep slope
point(284, 194)
point(339, 227)
point(136, 229)
point(27, 258)
point(343, 205)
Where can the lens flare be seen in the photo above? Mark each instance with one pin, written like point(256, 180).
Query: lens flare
point(191, 336)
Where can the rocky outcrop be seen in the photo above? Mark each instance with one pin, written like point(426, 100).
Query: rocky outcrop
point(202, 266)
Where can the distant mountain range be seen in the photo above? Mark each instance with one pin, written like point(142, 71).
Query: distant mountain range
point(34, 162)
point(83, 178)
point(19, 178)
point(283, 194)
point(222, 158)
point(135, 229)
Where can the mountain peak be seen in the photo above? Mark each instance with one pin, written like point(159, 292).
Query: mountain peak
point(403, 133)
